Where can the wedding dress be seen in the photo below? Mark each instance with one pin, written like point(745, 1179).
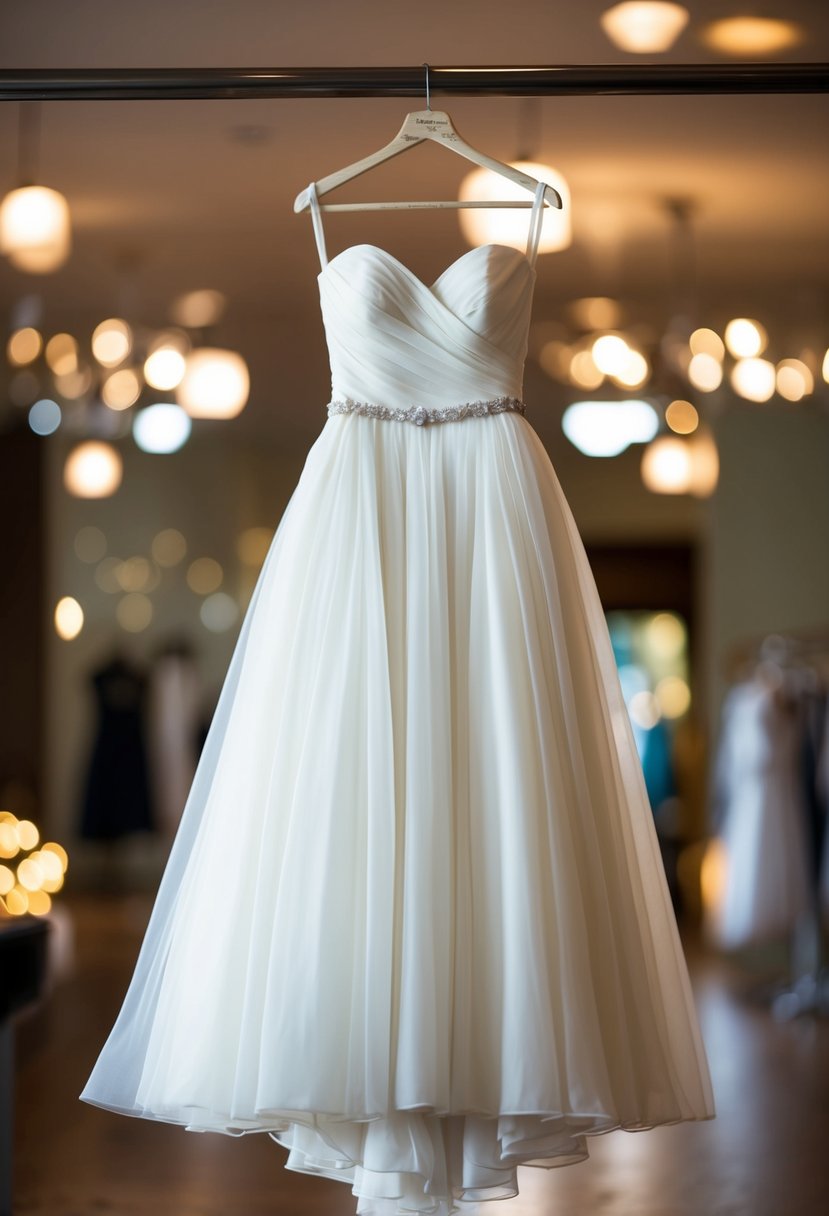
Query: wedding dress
point(414, 924)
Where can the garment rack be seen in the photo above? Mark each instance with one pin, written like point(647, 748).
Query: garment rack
point(569, 80)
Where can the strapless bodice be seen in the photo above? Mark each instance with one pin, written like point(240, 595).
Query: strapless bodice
point(396, 341)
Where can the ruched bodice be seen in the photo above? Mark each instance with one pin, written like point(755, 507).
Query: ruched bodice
point(398, 342)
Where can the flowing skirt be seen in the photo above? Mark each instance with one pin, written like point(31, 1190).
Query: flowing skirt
point(414, 923)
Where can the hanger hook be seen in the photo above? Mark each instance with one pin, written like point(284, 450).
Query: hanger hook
point(428, 100)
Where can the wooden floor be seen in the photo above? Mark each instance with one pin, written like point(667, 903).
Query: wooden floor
point(766, 1153)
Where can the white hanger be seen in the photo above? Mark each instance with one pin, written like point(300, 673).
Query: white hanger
point(420, 125)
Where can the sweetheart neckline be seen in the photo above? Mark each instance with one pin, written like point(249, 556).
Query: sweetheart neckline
point(402, 265)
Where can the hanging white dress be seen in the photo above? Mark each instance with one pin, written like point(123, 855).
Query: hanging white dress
point(414, 923)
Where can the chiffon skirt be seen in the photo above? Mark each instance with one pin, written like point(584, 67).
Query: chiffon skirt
point(414, 923)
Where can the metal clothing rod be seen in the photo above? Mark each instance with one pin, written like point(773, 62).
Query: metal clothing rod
point(143, 84)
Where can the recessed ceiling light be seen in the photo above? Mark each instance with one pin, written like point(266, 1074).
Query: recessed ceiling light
point(751, 36)
point(644, 26)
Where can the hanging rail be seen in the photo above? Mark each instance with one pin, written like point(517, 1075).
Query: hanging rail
point(144, 84)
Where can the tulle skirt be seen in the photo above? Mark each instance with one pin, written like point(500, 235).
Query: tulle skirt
point(414, 923)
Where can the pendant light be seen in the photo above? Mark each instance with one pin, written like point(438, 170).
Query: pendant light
point(644, 27)
point(35, 229)
point(508, 225)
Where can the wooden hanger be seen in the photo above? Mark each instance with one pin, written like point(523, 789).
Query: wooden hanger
point(418, 126)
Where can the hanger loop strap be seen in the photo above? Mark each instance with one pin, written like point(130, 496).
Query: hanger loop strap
point(316, 219)
point(536, 223)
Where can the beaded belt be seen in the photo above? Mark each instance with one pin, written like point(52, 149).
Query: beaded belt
point(420, 414)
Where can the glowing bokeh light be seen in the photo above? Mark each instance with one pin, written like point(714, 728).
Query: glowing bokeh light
point(161, 428)
point(44, 416)
point(673, 696)
point(62, 354)
point(794, 380)
point(111, 342)
point(68, 618)
point(35, 229)
point(219, 612)
point(707, 342)
point(745, 338)
point(164, 368)
point(134, 611)
point(751, 35)
point(682, 417)
point(666, 465)
point(23, 346)
point(168, 547)
point(606, 428)
point(510, 225)
point(93, 469)
point(666, 636)
point(644, 27)
point(216, 384)
point(204, 575)
point(705, 372)
point(753, 379)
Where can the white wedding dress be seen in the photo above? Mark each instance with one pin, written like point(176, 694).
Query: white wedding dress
point(414, 923)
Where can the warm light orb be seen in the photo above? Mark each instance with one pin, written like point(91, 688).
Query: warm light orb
point(609, 352)
point(673, 696)
point(753, 379)
point(134, 611)
point(93, 469)
point(134, 574)
point(634, 370)
point(73, 385)
point(745, 338)
point(168, 547)
point(510, 225)
point(62, 354)
point(794, 380)
point(666, 635)
point(24, 346)
point(705, 372)
point(666, 465)
point(644, 27)
point(606, 428)
point(68, 618)
point(164, 369)
point(682, 417)
point(35, 230)
point(751, 36)
point(29, 874)
point(215, 384)
point(161, 428)
point(595, 312)
point(122, 389)
point(204, 575)
point(583, 371)
point(707, 342)
point(111, 342)
point(198, 309)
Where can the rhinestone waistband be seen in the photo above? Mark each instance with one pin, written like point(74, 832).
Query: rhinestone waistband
point(421, 414)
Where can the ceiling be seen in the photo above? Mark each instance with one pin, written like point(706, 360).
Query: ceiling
point(199, 193)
